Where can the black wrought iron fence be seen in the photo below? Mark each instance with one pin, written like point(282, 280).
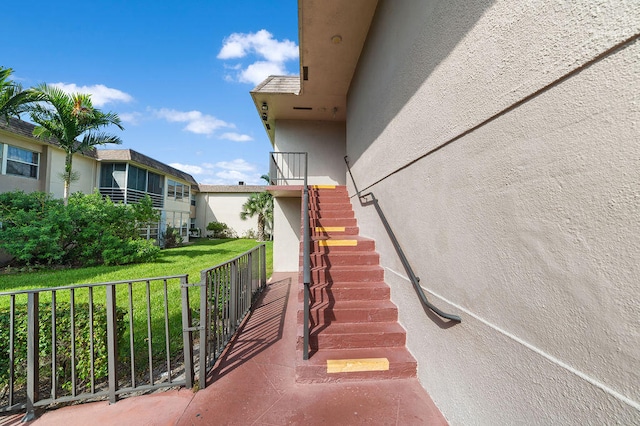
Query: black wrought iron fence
point(110, 339)
point(229, 290)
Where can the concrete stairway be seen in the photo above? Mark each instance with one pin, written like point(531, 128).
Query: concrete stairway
point(354, 330)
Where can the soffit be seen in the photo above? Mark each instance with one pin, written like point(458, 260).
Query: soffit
point(331, 35)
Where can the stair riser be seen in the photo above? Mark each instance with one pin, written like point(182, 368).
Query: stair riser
point(353, 341)
point(331, 214)
point(330, 206)
point(329, 276)
point(318, 374)
point(348, 232)
point(324, 293)
point(343, 259)
point(327, 232)
point(323, 316)
point(332, 221)
point(324, 192)
point(317, 249)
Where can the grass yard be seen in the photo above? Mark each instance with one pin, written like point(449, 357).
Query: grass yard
point(190, 259)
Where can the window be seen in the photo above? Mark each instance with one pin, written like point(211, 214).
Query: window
point(177, 190)
point(193, 200)
point(154, 183)
point(144, 180)
point(112, 175)
point(19, 162)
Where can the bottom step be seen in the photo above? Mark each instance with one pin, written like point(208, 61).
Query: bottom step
point(356, 364)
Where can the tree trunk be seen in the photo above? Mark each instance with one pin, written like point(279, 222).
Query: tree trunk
point(260, 227)
point(67, 177)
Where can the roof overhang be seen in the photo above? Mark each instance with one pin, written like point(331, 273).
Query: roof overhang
point(331, 35)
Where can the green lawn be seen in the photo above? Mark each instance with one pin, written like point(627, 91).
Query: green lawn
point(190, 259)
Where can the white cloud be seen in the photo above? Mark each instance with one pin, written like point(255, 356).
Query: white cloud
point(130, 117)
point(271, 54)
point(223, 172)
point(100, 94)
point(257, 72)
point(197, 122)
point(236, 137)
point(238, 164)
point(187, 168)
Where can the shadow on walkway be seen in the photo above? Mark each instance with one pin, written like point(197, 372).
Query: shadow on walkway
point(262, 328)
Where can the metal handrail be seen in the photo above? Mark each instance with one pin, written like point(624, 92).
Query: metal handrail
point(405, 262)
point(285, 167)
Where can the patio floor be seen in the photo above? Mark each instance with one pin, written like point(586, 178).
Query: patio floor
point(254, 384)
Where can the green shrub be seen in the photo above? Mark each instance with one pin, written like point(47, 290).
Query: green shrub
point(221, 230)
point(171, 237)
point(82, 339)
point(90, 230)
point(131, 251)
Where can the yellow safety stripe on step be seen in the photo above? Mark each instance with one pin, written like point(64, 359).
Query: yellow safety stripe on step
point(330, 228)
point(353, 365)
point(338, 243)
point(324, 187)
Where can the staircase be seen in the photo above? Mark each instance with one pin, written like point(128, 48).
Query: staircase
point(354, 330)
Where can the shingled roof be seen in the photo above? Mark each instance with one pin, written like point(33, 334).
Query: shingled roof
point(232, 188)
point(135, 156)
point(24, 128)
point(279, 84)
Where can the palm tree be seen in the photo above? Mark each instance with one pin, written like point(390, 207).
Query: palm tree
point(261, 204)
point(66, 117)
point(13, 100)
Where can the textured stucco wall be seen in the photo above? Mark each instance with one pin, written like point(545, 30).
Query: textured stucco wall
point(13, 183)
point(225, 208)
point(286, 234)
point(502, 142)
point(84, 167)
point(323, 141)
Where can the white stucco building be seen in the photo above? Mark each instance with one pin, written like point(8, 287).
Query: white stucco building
point(501, 140)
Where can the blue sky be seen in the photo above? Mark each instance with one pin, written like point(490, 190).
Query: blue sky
point(177, 73)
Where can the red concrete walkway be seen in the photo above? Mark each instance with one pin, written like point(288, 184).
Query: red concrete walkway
point(255, 385)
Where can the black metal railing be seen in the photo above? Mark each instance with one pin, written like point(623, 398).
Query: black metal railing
point(90, 340)
point(286, 168)
point(227, 293)
point(369, 198)
point(129, 196)
point(105, 340)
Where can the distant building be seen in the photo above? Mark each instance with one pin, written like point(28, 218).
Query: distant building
point(31, 164)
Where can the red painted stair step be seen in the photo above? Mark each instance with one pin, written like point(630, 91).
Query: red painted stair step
point(357, 335)
point(401, 365)
point(351, 311)
point(348, 291)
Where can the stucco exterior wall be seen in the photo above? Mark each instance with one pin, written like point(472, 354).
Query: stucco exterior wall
point(84, 167)
point(26, 184)
point(286, 241)
point(226, 208)
point(323, 141)
point(501, 139)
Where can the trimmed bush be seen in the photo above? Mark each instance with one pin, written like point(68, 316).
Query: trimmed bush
point(221, 230)
point(90, 230)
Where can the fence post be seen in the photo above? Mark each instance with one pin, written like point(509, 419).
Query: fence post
point(204, 303)
point(263, 265)
point(112, 342)
point(233, 296)
point(33, 355)
point(187, 339)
